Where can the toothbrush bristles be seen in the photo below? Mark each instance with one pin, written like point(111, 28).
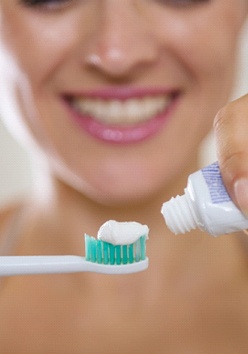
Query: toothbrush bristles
point(101, 252)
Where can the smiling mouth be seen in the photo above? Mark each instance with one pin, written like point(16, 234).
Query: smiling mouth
point(122, 113)
point(122, 117)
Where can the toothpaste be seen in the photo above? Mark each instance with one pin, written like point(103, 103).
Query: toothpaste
point(122, 233)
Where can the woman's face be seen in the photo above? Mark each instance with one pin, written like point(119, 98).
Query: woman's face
point(118, 93)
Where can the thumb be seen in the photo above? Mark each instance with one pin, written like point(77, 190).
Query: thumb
point(231, 134)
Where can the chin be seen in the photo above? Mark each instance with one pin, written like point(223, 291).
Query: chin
point(127, 196)
point(120, 201)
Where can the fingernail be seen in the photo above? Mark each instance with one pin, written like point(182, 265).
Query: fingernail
point(241, 194)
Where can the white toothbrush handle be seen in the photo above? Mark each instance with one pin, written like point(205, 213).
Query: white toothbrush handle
point(22, 265)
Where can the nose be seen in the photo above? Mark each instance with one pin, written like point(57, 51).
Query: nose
point(122, 41)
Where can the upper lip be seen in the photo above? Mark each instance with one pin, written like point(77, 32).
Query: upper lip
point(122, 93)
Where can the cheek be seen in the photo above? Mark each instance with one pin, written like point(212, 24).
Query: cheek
point(204, 42)
point(36, 45)
point(211, 63)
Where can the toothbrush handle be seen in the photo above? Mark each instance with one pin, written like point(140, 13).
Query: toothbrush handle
point(21, 265)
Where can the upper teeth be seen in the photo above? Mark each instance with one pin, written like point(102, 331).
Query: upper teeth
point(122, 112)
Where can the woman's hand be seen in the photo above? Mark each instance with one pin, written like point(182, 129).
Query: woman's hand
point(231, 131)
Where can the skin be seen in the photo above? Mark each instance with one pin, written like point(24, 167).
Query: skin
point(184, 302)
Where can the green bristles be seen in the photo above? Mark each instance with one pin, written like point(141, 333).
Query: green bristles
point(105, 253)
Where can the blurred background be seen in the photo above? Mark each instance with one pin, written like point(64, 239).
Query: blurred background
point(16, 166)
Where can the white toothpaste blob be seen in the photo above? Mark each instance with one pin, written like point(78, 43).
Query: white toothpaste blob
point(122, 233)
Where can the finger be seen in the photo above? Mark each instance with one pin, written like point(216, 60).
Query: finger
point(231, 133)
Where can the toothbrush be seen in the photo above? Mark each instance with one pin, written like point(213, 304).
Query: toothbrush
point(101, 257)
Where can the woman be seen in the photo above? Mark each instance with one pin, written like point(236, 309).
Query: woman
point(117, 96)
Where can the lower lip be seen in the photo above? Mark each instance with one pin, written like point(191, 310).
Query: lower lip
point(122, 135)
